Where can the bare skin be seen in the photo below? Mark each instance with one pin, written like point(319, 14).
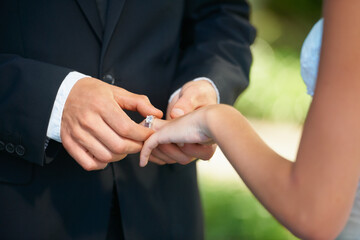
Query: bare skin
point(94, 128)
point(193, 95)
point(313, 196)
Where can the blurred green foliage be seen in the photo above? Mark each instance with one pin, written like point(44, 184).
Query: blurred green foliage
point(232, 212)
point(284, 23)
point(276, 91)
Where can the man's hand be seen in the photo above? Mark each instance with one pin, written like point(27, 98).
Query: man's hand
point(95, 130)
point(193, 95)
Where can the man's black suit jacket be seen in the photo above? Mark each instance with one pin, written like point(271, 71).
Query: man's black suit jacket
point(147, 47)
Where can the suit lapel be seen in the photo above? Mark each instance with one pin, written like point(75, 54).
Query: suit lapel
point(114, 10)
point(91, 13)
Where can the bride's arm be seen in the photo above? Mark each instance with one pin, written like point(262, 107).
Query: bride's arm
point(313, 196)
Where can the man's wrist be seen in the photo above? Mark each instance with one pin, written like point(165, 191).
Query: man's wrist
point(212, 84)
point(54, 126)
point(199, 79)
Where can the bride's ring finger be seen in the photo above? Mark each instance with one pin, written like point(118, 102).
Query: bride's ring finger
point(149, 121)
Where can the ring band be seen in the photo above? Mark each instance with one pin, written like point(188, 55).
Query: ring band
point(149, 121)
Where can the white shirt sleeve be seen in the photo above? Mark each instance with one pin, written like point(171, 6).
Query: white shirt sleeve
point(198, 79)
point(54, 126)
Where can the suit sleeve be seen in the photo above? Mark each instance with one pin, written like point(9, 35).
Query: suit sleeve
point(216, 41)
point(27, 93)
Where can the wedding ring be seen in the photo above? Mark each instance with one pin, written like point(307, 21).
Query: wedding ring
point(149, 121)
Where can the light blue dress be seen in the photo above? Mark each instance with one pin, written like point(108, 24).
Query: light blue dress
point(309, 61)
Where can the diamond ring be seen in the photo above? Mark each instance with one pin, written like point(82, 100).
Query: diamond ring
point(149, 121)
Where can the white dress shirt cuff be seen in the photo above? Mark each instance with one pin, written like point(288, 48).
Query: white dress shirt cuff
point(199, 79)
point(54, 126)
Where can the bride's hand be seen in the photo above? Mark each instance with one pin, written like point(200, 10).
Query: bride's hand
point(190, 128)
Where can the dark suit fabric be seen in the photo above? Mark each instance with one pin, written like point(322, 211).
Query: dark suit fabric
point(149, 47)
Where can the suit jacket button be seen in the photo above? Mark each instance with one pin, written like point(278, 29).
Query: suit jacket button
point(20, 150)
point(2, 145)
point(10, 148)
point(108, 78)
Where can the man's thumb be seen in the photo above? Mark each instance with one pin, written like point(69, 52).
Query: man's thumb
point(136, 102)
point(181, 107)
point(177, 112)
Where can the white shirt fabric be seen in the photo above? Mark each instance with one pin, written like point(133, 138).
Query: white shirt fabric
point(53, 130)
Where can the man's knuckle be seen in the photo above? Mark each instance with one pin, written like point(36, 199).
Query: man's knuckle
point(87, 124)
point(166, 149)
point(144, 98)
point(188, 102)
point(119, 148)
point(122, 156)
point(87, 121)
point(90, 166)
point(183, 162)
point(106, 157)
point(125, 129)
point(76, 134)
point(193, 102)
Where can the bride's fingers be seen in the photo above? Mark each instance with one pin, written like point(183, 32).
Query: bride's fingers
point(156, 124)
point(152, 141)
point(149, 145)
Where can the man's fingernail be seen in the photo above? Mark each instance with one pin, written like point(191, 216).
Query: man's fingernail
point(177, 112)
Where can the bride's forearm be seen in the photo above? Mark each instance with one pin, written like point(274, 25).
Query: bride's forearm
point(266, 173)
point(269, 176)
